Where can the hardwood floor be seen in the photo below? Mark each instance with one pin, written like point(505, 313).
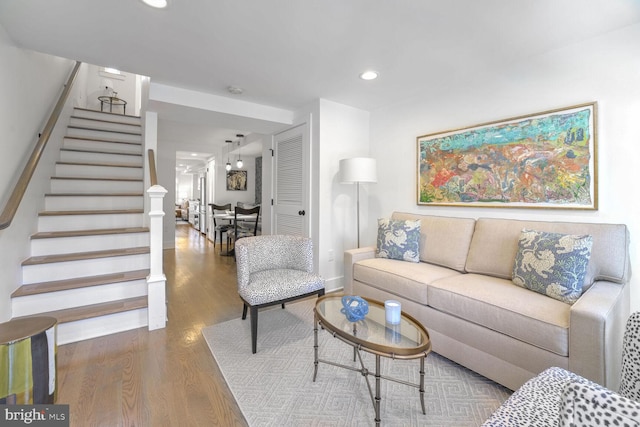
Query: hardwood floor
point(165, 377)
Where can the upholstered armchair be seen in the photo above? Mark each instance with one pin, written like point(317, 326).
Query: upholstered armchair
point(274, 269)
point(557, 397)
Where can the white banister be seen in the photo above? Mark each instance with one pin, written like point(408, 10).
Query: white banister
point(156, 281)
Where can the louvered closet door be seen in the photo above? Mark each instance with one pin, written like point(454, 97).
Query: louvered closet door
point(291, 192)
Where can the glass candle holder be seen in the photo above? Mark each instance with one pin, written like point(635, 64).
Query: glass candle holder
point(392, 310)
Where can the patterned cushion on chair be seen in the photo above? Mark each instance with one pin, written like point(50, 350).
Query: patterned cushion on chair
point(552, 264)
point(593, 405)
point(630, 375)
point(537, 402)
point(267, 285)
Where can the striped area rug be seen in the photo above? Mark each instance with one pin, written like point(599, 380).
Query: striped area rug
point(274, 387)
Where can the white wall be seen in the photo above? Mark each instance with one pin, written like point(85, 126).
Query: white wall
point(343, 133)
point(30, 84)
point(605, 69)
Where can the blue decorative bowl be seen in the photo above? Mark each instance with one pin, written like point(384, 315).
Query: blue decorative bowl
point(354, 308)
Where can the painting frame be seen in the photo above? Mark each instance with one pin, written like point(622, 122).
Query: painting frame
point(543, 160)
point(237, 180)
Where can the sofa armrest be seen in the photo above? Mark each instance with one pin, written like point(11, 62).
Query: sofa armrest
point(352, 256)
point(596, 329)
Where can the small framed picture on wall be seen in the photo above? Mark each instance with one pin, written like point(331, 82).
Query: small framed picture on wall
point(237, 180)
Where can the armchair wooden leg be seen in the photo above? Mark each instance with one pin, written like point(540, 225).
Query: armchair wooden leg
point(244, 311)
point(254, 329)
point(283, 306)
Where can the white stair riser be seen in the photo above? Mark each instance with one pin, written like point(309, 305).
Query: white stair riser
point(98, 171)
point(87, 144)
point(100, 326)
point(103, 125)
point(95, 186)
point(116, 136)
point(82, 156)
point(97, 115)
point(61, 300)
point(89, 222)
point(83, 268)
point(77, 203)
point(78, 244)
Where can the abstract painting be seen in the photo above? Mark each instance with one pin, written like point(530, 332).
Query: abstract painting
point(237, 180)
point(543, 160)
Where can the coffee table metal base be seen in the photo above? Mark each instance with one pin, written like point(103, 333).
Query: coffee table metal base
point(375, 398)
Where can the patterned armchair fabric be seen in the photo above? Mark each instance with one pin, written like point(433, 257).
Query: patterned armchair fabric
point(593, 405)
point(557, 397)
point(274, 269)
point(630, 376)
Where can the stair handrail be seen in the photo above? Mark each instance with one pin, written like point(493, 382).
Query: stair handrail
point(12, 204)
point(153, 176)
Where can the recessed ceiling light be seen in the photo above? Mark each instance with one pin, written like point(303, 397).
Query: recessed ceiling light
point(194, 154)
point(369, 75)
point(158, 4)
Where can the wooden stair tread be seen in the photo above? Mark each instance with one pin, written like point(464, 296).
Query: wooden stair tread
point(88, 178)
point(124, 132)
point(106, 121)
point(48, 259)
point(104, 112)
point(96, 310)
point(87, 150)
point(94, 194)
point(92, 212)
point(111, 165)
point(96, 139)
point(79, 282)
point(96, 232)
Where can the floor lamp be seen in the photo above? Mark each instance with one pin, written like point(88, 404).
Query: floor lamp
point(357, 170)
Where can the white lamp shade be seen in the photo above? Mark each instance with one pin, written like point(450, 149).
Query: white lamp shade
point(358, 169)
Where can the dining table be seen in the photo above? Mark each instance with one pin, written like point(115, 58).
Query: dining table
point(232, 218)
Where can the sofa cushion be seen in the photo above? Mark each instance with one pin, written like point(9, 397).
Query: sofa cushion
point(499, 237)
point(500, 305)
point(398, 239)
point(444, 241)
point(552, 264)
point(592, 405)
point(408, 280)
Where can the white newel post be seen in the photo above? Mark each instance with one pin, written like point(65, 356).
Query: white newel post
point(156, 281)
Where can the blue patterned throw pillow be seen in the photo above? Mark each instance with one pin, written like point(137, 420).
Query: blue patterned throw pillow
point(552, 264)
point(398, 239)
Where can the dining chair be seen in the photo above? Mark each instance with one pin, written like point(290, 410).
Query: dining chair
point(240, 229)
point(223, 227)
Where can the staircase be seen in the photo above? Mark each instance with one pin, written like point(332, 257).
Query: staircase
point(90, 257)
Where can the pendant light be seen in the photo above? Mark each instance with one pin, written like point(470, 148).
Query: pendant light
point(239, 162)
point(228, 165)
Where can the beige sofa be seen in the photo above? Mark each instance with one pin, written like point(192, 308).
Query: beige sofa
point(463, 293)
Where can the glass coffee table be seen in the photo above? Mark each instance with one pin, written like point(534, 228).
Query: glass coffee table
point(406, 340)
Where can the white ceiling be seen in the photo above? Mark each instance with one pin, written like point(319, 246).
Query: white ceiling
point(287, 53)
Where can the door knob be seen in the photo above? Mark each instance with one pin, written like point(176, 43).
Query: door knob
point(301, 213)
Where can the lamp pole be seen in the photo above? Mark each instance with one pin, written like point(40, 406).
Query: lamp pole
point(358, 170)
